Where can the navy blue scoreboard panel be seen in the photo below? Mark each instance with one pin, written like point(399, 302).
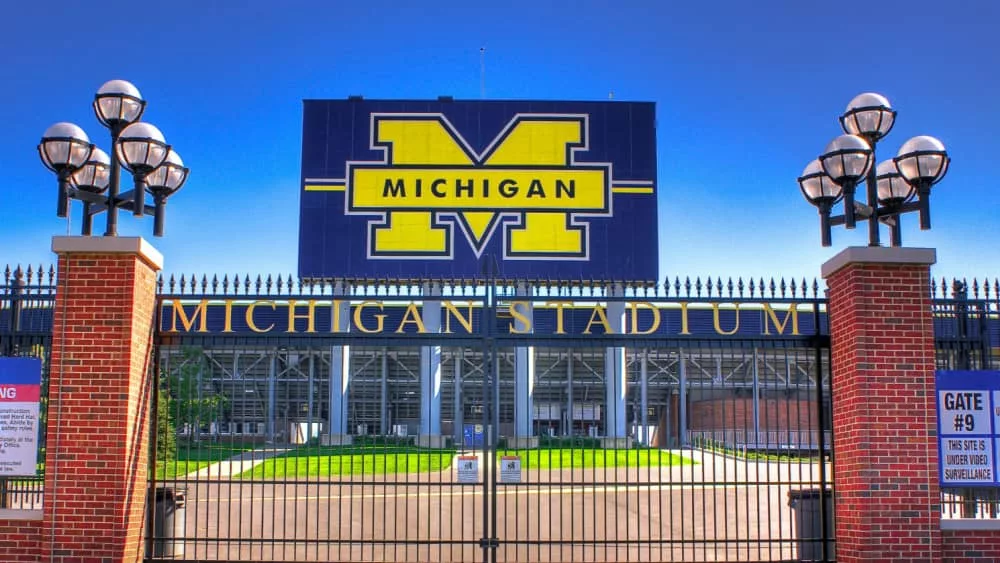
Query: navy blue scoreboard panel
point(441, 189)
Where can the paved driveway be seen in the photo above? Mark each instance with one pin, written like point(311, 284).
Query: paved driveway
point(719, 509)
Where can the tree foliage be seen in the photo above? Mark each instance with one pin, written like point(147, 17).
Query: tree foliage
point(190, 398)
point(166, 430)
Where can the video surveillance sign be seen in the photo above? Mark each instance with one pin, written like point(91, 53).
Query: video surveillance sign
point(968, 406)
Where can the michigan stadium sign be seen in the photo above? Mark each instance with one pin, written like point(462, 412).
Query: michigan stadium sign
point(417, 189)
point(461, 317)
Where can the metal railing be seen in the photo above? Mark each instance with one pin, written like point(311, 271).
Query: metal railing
point(228, 493)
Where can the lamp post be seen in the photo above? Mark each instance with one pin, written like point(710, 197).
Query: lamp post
point(892, 187)
point(88, 174)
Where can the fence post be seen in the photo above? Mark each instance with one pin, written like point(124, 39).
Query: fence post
point(886, 465)
point(16, 288)
point(100, 398)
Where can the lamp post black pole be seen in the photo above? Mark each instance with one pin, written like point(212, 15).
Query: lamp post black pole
point(114, 182)
point(872, 189)
point(88, 220)
point(62, 206)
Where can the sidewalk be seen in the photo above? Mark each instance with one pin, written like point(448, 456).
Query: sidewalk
point(237, 464)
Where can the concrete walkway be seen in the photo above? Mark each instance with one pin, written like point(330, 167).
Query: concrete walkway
point(237, 464)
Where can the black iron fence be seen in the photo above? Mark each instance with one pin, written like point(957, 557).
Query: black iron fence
point(707, 438)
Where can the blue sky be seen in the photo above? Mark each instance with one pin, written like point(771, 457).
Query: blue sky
point(747, 94)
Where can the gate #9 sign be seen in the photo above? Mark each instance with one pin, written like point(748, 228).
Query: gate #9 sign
point(442, 189)
point(20, 381)
point(968, 427)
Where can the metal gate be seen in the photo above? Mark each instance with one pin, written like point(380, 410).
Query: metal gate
point(396, 441)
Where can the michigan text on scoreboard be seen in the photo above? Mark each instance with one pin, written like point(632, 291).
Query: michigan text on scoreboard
point(447, 189)
point(968, 427)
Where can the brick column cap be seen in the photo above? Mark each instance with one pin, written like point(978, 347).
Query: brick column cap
point(878, 255)
point(109, 245)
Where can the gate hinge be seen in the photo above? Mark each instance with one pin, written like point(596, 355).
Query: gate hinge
point(491, 543)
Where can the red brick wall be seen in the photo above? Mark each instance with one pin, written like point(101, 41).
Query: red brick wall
point(888, 501)
point(971, 545)
point(97, 456)
point(737, 414)
point(19, 540)
point(961, 546)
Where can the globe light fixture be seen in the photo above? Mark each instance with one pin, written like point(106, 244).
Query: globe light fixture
point(141, 149)
point(88, 174)
point(869, 116)
point(820, 190)
point(891, 187)
point(922, 161)
point(846, 161)
point(118, 103)
point(93, 177)
point(162, 182)
point(64, 149)
point(893, 190)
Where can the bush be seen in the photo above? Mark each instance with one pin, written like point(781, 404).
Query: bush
point(384, 440)
point(578, 442)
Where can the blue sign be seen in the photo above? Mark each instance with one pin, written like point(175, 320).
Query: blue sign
point(446, 189)
point(472, 435)
point(968, 406)
point(20, 371)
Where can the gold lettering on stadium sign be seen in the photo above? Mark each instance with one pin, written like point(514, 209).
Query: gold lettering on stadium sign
point(370, 317)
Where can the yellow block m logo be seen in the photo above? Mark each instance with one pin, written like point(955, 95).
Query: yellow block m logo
point(430, 180)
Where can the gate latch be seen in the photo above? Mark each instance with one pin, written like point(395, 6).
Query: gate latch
point(491, 543)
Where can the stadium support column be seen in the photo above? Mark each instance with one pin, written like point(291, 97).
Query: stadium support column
point(682, 400)
point(340, 372)
point(524, 374)
point(383, 418)
point(644, 398)
point(570, 421)
point(755, 412)
point(459, 416)
point(615, 429)
point(272, 398)
point(430, 373)
point(883, 368)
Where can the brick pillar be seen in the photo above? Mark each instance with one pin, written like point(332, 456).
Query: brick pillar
point(885, 463)
point(100, 399)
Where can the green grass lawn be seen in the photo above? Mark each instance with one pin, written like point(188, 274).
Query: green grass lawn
point(575, 458)
point(323, 461)
point(351, 460)
point(192, 457)
point(369, 460)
